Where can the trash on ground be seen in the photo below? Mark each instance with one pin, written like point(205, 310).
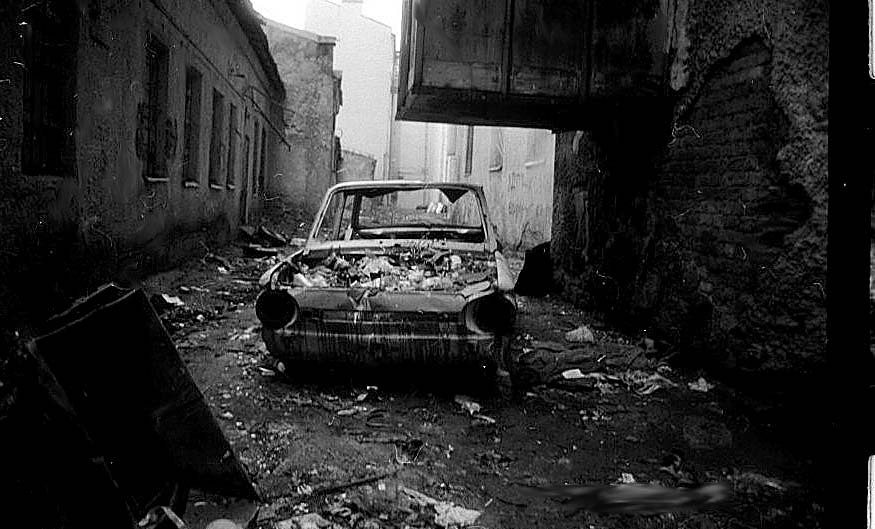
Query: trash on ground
point(644, 383)
point(483, 419)
point(446, 514)
point(351, 411)
point(256, 250)
point(161, 518)
point(163, 302)
point(304, 521)
point(467, 404)
point(582, 334)
point(626, 477)
point(701, 385)
point(571, 374)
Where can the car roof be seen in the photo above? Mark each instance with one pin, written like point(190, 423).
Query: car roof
point(403, 184)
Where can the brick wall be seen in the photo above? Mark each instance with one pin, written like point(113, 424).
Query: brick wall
point(707, 228)
point(725, 214)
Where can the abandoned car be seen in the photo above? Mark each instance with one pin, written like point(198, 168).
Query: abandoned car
point(393, 274)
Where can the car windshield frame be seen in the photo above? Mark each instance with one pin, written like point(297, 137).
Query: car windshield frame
point(414, 231)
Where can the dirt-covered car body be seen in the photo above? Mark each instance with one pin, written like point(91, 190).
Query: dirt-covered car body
point(393, 273)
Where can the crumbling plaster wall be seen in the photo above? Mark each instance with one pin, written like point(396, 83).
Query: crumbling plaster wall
point(624, 241)
point(305, 62)
point(63, 235)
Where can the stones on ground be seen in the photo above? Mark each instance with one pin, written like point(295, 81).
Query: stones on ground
point(447, 515)
point(582, 334)
point(467, 404)
point(701, 385)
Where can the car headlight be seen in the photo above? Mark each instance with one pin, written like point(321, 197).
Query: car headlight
point(490, 314)
point(276, 309)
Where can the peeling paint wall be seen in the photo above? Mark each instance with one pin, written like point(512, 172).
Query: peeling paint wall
point(65, 234)
point(356, 166)
point(716, 242)
point(306, 169)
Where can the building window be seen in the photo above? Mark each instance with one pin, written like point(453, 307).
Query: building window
point(49, 38)
point(157, 59)
point(496, 158)
point(469, 151)
point(255, 150)
point(216, 135)
point(263, 156)
point(230, 179)
point(193, 84)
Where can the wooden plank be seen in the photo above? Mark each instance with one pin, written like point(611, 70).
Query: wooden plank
point(548, 40)
point(545, 81)
point(462, 31)
point(477, 76)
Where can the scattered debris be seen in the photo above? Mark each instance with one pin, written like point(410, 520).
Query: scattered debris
point(644, 383)
point(161, 518)
point(256, 250)
point(582, 334)
point(467, 404)
point(305, 521)
point(263, 236)
point(483, 419)
point(447, 515)
point(163, 302)
point(701, 385)
point(536, 277)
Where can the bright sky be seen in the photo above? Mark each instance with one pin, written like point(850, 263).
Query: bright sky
point(291, 12)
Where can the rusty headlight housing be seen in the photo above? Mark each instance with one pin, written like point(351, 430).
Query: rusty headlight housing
point(276, 309)
point(491, 314)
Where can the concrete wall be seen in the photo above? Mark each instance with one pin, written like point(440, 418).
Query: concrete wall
point(519, 190)
point(365, 54)
point(706, 223)
point(355, 166)
point(306, 169)
point(65, 233)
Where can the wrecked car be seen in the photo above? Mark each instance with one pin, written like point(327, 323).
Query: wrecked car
point(393, 274)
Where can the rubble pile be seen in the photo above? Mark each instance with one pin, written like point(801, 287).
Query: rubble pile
point(404, 271)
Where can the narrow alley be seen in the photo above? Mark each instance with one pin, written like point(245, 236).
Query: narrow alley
point(435, 264)
point(346, 450)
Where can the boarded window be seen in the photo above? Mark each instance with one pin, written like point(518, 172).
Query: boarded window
point(157, 58)
point(469, 150)
point(231, 178)
point(496, 151)
point(49, 36)
point(216, 135)
point(193, 85)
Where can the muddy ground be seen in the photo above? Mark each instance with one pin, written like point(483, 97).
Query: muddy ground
point(348, 452)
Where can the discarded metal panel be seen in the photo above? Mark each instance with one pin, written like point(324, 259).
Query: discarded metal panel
point(134, 395)
point(52, 475)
